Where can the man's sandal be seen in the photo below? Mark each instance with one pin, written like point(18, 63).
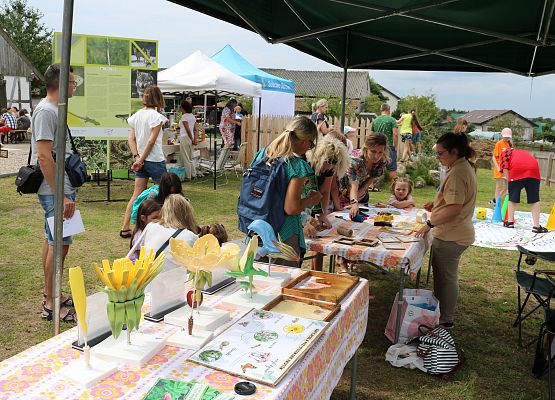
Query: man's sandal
point(64, 301)
point(509, 224)
point(125, 233)
point(68, 317)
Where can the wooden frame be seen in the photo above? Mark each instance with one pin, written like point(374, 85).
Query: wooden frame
point(340, 286)
point(333, 309)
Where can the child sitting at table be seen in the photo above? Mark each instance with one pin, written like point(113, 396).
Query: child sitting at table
point(149, 210)
point(401, 197)
point(218, 230)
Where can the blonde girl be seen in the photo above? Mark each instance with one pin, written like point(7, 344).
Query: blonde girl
point(299, 137)
point(401, 190)
point(330, 160)
point(369, 164)
point(320, 108)
point(176, 213)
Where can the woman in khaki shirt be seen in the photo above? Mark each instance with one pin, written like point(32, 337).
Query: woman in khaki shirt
point(451, 219)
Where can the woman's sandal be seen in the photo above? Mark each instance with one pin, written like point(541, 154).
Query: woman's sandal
point(509, 224)
point(125, 233)
point(68, 317)
point(539, 229)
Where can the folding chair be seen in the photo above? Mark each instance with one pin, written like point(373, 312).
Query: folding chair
point(238, 160)
point(540, 285)
point(206, 165)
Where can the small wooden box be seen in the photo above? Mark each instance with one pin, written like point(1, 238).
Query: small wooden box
point(326, 287)
point(304, 308)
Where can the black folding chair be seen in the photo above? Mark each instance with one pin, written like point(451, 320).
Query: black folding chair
point(540, 285)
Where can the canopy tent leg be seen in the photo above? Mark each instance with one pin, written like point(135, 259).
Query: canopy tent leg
point(215, 150)
point(258, 124)
point(67, 26)
point(344, 89)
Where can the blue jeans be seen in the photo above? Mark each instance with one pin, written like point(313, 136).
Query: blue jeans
point(392, 166)
point(152, 169)
point(47, 203)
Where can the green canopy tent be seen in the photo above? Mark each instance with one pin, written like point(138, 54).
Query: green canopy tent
point(445, 35)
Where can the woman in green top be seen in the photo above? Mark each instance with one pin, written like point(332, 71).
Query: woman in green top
point(405, 130)
point(299, 137)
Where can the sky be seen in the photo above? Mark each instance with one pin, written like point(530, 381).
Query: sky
point(181, 31)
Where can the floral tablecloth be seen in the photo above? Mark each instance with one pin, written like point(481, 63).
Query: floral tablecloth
point(412, 256)
point(32, 374)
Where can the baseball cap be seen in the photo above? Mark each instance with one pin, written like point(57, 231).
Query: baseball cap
point(507, 132)
point(348, 129)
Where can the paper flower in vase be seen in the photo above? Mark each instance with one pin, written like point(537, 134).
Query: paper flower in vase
point(245, 268)
point(203, 257)
point(125, 285)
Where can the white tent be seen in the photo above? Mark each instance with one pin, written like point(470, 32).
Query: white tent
point(198, 72)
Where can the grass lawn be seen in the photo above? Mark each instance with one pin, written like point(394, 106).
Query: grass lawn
point(496, 368)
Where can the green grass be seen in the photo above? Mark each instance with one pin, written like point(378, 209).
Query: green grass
point(496, 368)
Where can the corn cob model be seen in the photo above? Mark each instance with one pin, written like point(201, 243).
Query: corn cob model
point(125, 284)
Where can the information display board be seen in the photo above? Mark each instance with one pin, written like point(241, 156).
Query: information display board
point(112, 74)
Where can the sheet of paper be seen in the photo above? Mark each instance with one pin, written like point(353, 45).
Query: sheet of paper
point(72, 226)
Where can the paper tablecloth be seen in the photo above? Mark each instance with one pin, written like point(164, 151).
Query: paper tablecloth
point(32, 374)
point(412, 256)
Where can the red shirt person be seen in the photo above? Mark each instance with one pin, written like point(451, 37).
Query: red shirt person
point(522, 171)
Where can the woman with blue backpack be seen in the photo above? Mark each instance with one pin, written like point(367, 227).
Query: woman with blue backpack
point(262, 196)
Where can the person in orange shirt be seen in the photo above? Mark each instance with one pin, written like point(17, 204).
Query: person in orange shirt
point(500, 181)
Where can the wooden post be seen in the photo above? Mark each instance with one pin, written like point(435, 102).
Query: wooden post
point(549, 170)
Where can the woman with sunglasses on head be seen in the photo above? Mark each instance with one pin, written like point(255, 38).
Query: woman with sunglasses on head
point(451, 219)
point(365, 166)
point(329, 159)
point(299, 137)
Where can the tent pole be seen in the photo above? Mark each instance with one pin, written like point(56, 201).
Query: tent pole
point(215, 131)
point(344, 89)
point(258, 123)
point(67, 26)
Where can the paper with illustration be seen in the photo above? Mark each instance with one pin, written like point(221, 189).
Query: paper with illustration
point(262, 346)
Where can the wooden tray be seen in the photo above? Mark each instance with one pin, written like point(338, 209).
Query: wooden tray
point(305, 308)
point(334, 289)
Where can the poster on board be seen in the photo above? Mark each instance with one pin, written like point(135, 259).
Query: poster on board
point(111, 75)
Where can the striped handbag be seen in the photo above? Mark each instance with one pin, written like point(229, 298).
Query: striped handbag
point(437, 349)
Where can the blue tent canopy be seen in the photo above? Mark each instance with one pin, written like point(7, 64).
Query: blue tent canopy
point(233, 61)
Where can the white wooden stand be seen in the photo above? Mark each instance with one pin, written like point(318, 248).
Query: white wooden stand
point(258, 300)
point(142, 348)
point(88, 375)
point(206, 318)
point(182, 339)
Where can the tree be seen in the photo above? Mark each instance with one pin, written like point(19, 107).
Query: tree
point(427, 110)
point(372, 103)
point(23, 24)
point(506, 121)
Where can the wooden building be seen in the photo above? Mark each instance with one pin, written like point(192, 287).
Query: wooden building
point(16, 75)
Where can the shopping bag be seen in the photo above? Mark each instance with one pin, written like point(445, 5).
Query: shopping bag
point(420, 307)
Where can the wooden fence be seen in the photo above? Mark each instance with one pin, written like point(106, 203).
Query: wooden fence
point(272, 127)
point(547, 166)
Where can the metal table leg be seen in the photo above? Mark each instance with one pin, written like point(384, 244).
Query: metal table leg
point(332, 264)
point(354, 370)
point(429, 266)
point(399, 304)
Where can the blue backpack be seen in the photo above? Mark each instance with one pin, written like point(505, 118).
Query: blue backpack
point(263, 193)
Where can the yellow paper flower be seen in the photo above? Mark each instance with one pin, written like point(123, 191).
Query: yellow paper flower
point(251, 250)
point(205, 255)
